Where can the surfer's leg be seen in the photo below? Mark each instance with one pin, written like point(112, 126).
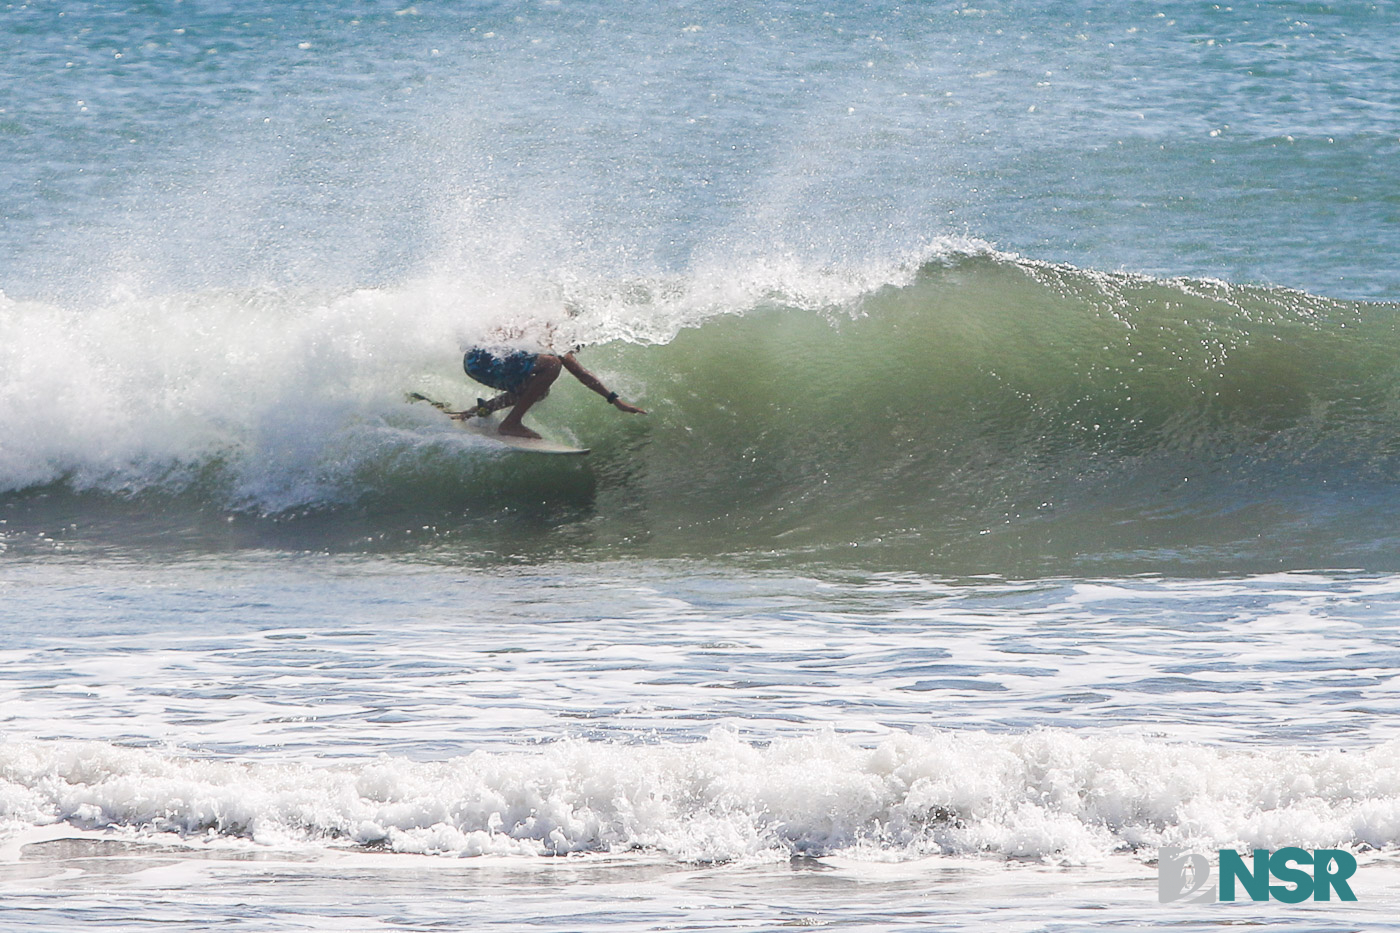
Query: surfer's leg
point(537, 387)
point(504, 400)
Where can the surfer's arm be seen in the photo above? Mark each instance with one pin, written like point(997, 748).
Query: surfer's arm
point(592, 382)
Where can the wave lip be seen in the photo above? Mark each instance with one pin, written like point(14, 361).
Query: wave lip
point(1054, 796)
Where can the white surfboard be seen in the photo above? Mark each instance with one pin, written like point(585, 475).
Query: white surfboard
point(487, 428)
point(483, 427)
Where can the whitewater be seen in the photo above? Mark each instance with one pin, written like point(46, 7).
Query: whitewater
point(1016, 498)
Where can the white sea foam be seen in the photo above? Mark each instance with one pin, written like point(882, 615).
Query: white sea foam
point(1056, 796)
point(142, 391)
point(295, 658)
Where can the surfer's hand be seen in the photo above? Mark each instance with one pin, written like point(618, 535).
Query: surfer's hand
point(620, 405)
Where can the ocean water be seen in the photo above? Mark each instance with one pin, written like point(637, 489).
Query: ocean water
point(1017, 494)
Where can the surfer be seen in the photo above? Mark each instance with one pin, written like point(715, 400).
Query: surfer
point(523, 378)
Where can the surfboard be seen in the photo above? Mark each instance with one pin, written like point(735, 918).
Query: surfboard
point(486, 427)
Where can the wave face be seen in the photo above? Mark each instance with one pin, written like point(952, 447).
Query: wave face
point(978, 410)
point(1048, 795)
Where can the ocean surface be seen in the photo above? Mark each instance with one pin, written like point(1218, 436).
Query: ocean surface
point(1019, 492)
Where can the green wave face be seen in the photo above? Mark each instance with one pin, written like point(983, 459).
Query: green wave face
point(998, 415)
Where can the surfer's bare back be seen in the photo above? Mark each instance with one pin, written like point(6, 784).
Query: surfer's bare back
point(523, 378)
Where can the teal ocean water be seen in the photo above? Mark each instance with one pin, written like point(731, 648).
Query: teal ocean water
point(1017, 494)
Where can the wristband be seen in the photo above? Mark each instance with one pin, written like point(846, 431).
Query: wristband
point(612, 397)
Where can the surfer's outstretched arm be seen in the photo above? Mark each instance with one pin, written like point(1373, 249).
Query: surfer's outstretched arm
point(592, 382)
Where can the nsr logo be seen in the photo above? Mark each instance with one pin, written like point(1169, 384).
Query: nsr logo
point(1186, 877)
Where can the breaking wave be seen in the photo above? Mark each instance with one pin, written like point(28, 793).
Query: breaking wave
point(975, 407)
point(1048, 795)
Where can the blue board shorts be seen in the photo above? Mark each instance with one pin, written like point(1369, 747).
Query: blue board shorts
point(503, 373)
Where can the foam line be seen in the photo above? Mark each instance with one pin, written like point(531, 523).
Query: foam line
point(1056, 796)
